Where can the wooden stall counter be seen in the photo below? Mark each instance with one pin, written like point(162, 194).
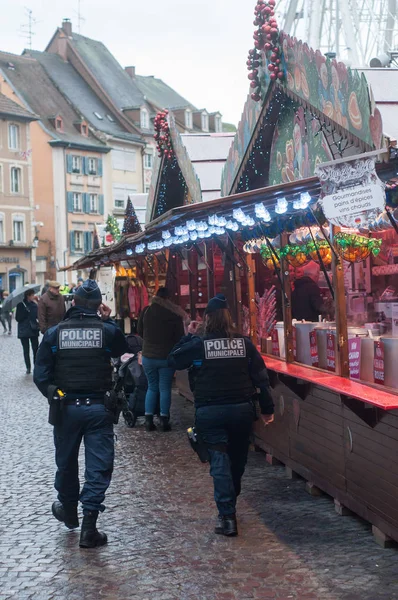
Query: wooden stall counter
point(339, 435)
point(353, 389)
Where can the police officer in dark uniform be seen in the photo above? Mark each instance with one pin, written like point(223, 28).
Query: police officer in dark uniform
point(73, 368)
point(225, 368)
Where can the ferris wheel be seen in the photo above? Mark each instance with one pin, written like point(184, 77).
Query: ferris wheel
point(357, 31)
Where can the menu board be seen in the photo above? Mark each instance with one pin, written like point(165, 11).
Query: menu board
point(378, 363)
point(314, 349)
point(354, 357)
point(331, 352)
point(275, 343)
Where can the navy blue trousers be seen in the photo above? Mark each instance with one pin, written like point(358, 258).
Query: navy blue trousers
point(227, 425)
point(94, 425)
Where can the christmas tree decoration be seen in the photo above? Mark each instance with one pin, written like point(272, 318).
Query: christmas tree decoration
point(131, 223)
point(356, 248)
point(112, 228)
point(96, 241)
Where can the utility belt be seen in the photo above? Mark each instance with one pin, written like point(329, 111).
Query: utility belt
point(58, 400)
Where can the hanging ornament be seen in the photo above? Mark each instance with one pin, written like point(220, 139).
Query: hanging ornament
point(325, 252)
point(266, 37)
point(296, 256)
point(356, 248)
point(162, 135)
point(270, 259)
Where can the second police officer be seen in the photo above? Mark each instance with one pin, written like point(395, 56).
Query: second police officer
point(225, 368)
point(73, 367)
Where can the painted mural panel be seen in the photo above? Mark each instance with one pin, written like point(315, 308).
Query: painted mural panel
point(333, 88)
point(248, 122)
point(298, 145)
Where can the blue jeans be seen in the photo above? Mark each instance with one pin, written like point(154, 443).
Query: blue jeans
point(160, 380)
point(94, 424)
point(228, 427)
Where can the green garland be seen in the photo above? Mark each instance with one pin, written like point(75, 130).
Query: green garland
point(351, 240)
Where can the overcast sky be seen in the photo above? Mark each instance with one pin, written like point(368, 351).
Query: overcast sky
point(198, 47)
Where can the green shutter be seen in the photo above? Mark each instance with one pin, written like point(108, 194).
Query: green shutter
point(101, 207)
point(69, 197)
point(72, 241)
point(69, 163)
point(87, 242)
point(86, 203)
point(99, 168)
point(84, 163)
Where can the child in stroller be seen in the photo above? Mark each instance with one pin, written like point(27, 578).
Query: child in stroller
point(130, 381)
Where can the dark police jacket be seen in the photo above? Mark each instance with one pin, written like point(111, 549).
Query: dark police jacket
point(223, 370)
point(75, 355)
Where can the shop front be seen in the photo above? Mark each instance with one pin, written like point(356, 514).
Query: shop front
point(15, 268)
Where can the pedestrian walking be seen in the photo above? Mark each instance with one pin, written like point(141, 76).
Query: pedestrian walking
point(5, 315)
point(73, 370)
point(28, 326)
point(161, 327)
point(51, 307)
point(226, 368)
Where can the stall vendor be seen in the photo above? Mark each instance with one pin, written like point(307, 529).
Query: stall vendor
point(307, 303)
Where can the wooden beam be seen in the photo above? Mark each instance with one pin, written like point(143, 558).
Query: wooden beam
point(287, 303)
point(342, 361)
point(208, 252)
point(251, 274)
point(193, 281)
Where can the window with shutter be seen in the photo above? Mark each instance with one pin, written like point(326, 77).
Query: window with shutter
point(69, 163)
point(72, 241)
point(76, 164)
point(79, 241)
point(101, 207)
point(69, 197)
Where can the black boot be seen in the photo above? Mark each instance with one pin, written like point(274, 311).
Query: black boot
point(219, 528)
point(165, 423)
point(66, 514)
point(227, 525)
point(149, 424)
point(90, 537)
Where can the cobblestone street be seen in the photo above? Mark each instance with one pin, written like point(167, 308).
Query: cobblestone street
point(159, 520)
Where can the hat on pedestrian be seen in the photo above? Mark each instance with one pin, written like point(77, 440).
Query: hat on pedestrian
point(90, 292)
point(217, 303)
point(54, 284)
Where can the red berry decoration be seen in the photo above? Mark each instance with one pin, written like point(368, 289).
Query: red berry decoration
point(162, 136)
point(265, 38)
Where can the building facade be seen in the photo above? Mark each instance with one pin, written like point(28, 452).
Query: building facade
point(17, 233)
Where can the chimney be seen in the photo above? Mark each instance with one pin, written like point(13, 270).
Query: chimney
point(130, 71)
point(67, 27)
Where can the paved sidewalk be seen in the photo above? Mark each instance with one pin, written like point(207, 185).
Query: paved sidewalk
point(160, 518)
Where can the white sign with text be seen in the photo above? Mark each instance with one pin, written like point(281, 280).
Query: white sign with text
point(353, 201)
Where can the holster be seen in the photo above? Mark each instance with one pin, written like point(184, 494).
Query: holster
point(56, 406)
point(201, 447)
point(113, 405)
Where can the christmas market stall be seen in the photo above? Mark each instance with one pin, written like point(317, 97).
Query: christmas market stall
point(306, 235)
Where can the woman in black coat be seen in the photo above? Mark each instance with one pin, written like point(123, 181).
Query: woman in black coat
point(28, 326)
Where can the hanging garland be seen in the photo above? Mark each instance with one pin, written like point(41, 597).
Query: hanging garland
point(324, 250)
point(267, 255)
point(356, 248)
point(266, 37)
point(296, 256)
point(162, 135)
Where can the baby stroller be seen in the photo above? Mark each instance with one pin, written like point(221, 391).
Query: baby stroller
point(131, 383)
